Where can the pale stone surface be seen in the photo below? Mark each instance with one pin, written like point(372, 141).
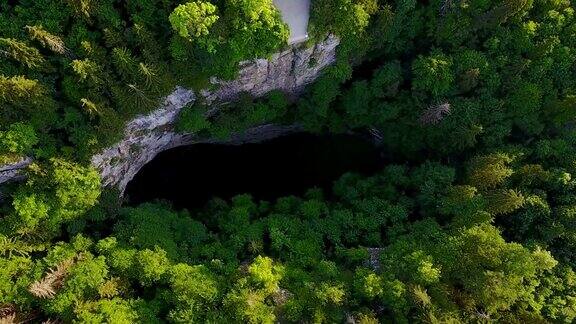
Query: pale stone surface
point(146, 136)
point(374, 260)
point(290, 71)
point(13, 171)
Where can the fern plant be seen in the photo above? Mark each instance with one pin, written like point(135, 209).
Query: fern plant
point(49, 285)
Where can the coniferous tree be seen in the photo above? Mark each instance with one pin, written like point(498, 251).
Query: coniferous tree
point(48, 40)
point(20, 52)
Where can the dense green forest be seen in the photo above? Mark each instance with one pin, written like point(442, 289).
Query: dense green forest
point(473, 221)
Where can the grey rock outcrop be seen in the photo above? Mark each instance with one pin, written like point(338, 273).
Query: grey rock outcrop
point(14, 171)
point(373, 261)
point(290, 71)
point(146, 136)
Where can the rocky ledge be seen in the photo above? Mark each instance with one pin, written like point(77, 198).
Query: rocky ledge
point(146, 136)
point(14, 171)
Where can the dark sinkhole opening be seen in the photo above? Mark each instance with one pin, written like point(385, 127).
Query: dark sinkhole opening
point(189, 176)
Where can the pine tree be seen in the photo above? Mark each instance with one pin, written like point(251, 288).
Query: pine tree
point(82, 8)
point(124, 62)
point(16, 88)
point(501, 13)
point(21, 52)
point(89, 71)
point(52, 42)
point(14, 246)
point(504, 201)
point(433, 74)
point(489, 171)
point(91, 108)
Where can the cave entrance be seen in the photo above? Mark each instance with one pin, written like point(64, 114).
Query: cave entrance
point(189, 176)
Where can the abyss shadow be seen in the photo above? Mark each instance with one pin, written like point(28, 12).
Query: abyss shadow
point(189, 176)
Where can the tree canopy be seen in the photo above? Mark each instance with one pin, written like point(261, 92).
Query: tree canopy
point(471, 217)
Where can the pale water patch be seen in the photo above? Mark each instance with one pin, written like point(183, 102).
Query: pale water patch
point(296, 14)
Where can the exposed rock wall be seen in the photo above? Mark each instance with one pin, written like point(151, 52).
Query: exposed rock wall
point(290, 71)
point(13, 171)
point(146, 136)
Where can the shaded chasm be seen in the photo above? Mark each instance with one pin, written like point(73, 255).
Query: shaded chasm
point(189, 176)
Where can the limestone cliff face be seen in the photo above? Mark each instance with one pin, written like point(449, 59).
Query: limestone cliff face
point(146, 136)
